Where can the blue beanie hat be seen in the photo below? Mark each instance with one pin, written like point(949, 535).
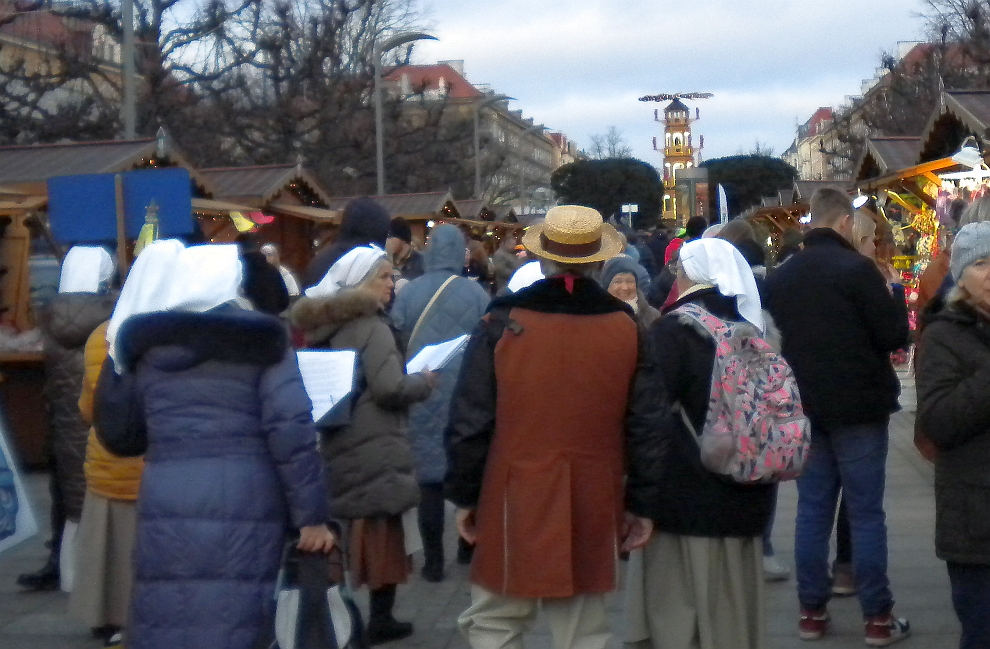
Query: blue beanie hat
point(616, 266)
point(972, 243)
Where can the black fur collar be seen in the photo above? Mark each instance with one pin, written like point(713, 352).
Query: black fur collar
point(551, 296)
point(226, 333)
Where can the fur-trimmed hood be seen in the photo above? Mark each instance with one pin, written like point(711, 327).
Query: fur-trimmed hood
point(176, 340)
point(321, 318)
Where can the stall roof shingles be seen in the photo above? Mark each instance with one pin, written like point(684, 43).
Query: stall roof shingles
point(974, 102)
point(407, 205)
point(893, 153)
point(261, 182)
point(37, 163)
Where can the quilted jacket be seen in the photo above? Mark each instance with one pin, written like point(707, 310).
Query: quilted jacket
point(455, 312)
point(369, 463)
point(107, 475)
point(66, 324)
point(231, 465)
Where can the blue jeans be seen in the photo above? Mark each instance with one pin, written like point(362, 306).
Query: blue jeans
point(853, 459)
point(971, 599)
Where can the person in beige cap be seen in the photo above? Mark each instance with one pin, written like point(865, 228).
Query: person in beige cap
point(537, 447)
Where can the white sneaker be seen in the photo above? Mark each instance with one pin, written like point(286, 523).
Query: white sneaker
point(774, 570)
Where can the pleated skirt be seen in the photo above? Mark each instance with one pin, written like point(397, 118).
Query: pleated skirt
point(101, 594)
point(685, 592)
point(377, 552)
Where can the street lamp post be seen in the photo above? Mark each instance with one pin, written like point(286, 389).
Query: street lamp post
point(522, 179)
point(379, 51)
point(477, 138)
point(127, 54)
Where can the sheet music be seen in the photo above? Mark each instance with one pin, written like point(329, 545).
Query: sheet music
point(434, 357)
point(328, 377)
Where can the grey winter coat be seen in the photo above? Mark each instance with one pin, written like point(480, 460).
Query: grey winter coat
point(370, 468)
point(455, 313)
point(67, 325)
point(954, 412)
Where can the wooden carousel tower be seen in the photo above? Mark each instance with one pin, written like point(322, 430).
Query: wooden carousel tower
point(678, 147)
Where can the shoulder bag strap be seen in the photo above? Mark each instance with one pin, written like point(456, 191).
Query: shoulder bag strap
point(429, 305)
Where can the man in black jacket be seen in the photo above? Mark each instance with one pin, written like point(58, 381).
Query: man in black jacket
point(840, 321)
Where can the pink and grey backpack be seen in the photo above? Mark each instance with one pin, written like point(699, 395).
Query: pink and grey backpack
point(756, 431)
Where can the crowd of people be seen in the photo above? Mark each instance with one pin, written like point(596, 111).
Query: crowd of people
point(570, 432)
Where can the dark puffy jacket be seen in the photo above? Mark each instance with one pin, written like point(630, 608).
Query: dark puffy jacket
point(67, 325)
point(364, 222)
point(692, 501)
point(231, 465)
point(954, 412)
point(455, 313)
point(840, 323)
point(370, 465)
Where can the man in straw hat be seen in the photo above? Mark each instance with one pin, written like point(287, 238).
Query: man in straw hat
point(537, 448)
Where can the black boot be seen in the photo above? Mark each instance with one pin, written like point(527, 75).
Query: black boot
point(45, 579)
point(382, 627)
point(431, 513)
point(465, 552)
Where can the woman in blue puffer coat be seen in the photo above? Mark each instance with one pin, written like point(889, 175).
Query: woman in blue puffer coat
point(231, 463)
point(455, 312)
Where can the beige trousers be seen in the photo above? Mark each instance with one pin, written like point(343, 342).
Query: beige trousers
point(498, 622)
point(686, 592)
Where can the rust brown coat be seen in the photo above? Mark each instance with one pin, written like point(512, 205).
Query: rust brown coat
point(536, 440)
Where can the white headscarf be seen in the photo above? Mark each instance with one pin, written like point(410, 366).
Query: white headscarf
point(719, 264)
point(205, 277)
point(84, 269)
point(350, 271)
point(146, 289)
point(526, 276)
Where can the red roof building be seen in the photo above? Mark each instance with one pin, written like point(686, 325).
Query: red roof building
point(442, 79)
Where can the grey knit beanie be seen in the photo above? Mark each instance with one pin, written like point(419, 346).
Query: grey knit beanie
point(971, 244)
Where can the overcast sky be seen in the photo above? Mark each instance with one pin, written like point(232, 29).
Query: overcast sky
point(579, 66)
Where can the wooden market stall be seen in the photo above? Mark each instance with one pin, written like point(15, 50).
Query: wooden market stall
point(291, 202)
point(24, 172)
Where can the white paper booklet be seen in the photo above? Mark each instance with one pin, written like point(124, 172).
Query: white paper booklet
point(434, 357)
point(328, 377)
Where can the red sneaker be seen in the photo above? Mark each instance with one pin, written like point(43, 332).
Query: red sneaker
point(884, 630)
point(813, 624)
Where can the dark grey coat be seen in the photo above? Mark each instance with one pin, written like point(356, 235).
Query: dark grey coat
point(67, 324)
point(954, 412)
point(370, 466)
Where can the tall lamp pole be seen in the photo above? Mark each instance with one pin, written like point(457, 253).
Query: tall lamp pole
point(129, 112)
point(522, 179)
point(379, 50)
point(477, 138)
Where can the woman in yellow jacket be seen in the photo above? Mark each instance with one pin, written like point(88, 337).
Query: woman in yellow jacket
point(105, 538)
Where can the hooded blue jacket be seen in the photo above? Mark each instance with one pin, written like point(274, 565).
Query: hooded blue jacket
point(456, 312)
point(231, 466)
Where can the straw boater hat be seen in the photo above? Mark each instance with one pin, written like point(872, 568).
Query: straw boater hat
point(572, 234)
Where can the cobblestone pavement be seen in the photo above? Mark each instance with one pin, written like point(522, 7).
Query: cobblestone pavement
point(921, 588)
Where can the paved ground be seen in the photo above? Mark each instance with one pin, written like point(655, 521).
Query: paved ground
point(36, 621)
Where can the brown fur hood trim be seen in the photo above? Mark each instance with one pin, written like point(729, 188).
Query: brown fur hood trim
point(321, 318)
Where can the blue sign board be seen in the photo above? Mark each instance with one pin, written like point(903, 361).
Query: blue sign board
point(84, 208)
